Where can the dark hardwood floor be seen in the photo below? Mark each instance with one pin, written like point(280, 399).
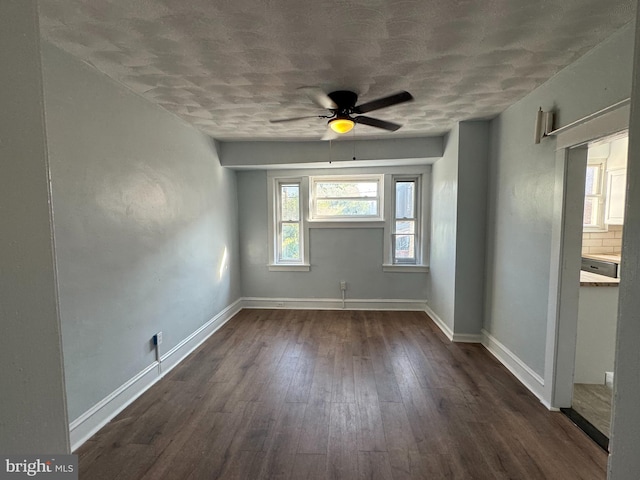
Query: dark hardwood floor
point(338, 394)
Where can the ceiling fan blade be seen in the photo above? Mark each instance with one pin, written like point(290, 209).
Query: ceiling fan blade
point(384, 102)
point(319, 97)
point(374, 122)
point(330, 135)
point(293, 119)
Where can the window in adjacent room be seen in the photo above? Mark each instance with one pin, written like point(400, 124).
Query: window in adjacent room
point(594, 196)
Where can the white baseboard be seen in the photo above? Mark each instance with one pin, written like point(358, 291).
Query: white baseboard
point(454, 337)
point(526, 376)
point(439, 322)
point(182, 350)
point(87, 424)
point(467, 338)
point(333, 304)
point(530, 379)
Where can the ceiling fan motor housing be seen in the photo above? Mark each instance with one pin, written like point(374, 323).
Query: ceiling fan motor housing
point(345, 100)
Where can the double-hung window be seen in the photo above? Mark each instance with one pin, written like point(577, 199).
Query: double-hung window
point(405, 225)
point(289, 250)
point(289, 224)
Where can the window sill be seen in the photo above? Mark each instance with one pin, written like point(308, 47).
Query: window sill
point(346, 224)
point(293, 267)
point(388, 267)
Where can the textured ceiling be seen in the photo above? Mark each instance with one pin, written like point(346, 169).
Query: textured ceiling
point(228, 66)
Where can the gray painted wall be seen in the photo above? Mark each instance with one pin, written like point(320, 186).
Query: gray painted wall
point(33, 416)
point(332, 257)
point(521, 187)
point(473, 158)
point(444, 206)
point(458, 233)
point(625, 462)
point(144, 214)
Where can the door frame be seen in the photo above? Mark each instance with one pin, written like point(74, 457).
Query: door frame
point(564, 284)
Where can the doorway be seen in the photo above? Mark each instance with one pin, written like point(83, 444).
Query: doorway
point(601, 248)
point(566, 249)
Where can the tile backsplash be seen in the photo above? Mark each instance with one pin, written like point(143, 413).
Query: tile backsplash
point(603, 242)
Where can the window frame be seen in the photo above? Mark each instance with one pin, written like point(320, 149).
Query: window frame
point(276, 262)
point(422, 175)
point(416, 218)
point(599, 226)
point(315, 179)
point(280, 222)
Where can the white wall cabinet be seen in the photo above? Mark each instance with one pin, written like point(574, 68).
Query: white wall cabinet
point(616, 188)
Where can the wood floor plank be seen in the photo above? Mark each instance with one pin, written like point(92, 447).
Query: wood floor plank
point(364, 380)
point(343, 446)
point(370, 431)
point(282, 447)
point(593, 402)
point(322, 383)
point(374, 466)
point(385, 377)
point(338, 394)
point(314, 436)
point(300, 386)
point(309, 467)
point(343, 389)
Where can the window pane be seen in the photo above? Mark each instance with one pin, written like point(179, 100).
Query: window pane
point(592, 184)
point(347, 208)
point(290, 247)
point(290, 198)
point(404, 247)
point(346, 189)
point(590, 217)
point(405, 199)
point(405, 226)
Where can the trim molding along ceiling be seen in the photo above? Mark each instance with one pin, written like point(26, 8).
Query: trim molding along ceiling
point(90, 422)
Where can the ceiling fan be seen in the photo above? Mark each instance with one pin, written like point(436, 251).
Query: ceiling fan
point(344, 113)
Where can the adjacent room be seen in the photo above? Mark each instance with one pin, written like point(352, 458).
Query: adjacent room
point(260, 239)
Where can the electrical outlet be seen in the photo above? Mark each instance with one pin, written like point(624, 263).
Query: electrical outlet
point(157, 338)
point(343, 285)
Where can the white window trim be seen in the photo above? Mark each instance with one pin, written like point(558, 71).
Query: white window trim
point(422, 172)
point(275, 265)
point(417, 213)
point(600, 227)
point(404, 268)
point(422, 209)
point(378, 178)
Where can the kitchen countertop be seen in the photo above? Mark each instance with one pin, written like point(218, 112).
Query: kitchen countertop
point(607, 257)
point(588, 279)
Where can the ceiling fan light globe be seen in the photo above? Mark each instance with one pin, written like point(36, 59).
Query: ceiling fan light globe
point(341, 125)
